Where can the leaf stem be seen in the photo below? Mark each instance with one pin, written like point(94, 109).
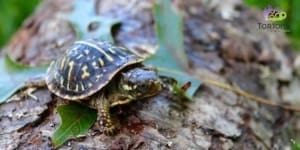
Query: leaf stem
point(249, 95)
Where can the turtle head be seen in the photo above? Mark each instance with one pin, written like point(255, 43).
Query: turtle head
point(140, 83)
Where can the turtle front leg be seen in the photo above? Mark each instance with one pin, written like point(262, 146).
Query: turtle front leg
point(104, 118)
point(30, 86)
point(38, 81)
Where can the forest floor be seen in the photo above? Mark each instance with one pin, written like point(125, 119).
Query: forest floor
point(223, 44)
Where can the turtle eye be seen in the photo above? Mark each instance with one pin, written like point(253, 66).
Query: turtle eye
point(143, 88)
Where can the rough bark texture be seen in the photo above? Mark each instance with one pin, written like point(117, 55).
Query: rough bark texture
point(223, 44)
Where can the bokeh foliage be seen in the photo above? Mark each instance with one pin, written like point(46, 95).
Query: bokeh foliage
point(12, 14)
point(291, 7)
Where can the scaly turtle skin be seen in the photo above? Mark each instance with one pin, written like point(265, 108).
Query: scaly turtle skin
point(106, 74)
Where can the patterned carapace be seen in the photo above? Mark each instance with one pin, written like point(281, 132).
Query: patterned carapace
point(87, 67)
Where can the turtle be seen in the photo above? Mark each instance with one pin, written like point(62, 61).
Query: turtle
point(103, 73)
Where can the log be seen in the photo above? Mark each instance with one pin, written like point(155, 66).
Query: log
point(223, 44)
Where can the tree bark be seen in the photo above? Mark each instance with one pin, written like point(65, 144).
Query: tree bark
point(223, 44)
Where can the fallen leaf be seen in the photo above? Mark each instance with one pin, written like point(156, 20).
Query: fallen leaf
point(169, 32)
point(14, 76)
point(88, 24)
point(76, 121)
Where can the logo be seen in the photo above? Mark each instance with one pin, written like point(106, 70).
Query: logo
point(274, 14)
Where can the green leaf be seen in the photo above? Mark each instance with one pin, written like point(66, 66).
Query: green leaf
point(295, 145)
point(88, 24)
point(76, 121)
point(169, 30)
point(14, 75)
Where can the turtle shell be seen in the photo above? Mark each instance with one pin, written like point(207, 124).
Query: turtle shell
point(86, 67)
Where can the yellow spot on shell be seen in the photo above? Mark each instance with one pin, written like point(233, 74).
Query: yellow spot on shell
point(62, 63)
point(101, 62)
point(61, 81)
point(76, 89)
point(71, 65)
point(111, 50)
point(82, 87)
point(79, 56)
point(85, 73)
point(121, 57)
point(122, 48)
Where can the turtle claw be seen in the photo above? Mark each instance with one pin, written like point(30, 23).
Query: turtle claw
point(29, 92)
point(111, 130)
point(106, 126)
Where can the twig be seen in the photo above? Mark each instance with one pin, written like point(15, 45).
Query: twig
point(249, 96)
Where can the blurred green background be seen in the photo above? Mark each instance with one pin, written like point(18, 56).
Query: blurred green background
point(13, 12)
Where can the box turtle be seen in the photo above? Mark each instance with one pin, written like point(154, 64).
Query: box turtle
point(106, 74)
